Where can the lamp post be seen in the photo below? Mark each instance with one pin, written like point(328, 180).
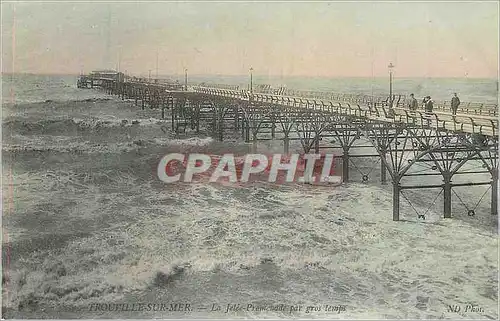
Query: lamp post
point(149, 79)
point(185, 79)
point(156, 63)
point(251, 80)
point(390, 84)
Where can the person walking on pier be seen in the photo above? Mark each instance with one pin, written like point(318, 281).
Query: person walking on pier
point(424, 102)
point(429, 105)
point(412, 104)
point(455, 102)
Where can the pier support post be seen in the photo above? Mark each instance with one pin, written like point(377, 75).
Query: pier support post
point(214, 122)
point(236, 118)
point(494, 191)
point(221, 125)
point(447, 194)
point(286, 144)
point(192, 115)
point(383, 168)
point(273, 125)
point(247, 131)
point(243, 128)
point(396, 189)
point(345, 165)
point(173, 116)
point(316, 144)
point(198, 107)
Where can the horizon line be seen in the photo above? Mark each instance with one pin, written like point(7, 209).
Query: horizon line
point(261, 75)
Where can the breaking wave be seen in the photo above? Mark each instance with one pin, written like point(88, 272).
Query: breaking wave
point(86, 220)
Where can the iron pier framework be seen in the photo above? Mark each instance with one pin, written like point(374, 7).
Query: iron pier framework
point(412, 150)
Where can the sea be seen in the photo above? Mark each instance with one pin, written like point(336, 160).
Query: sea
point(89, 231)
point(478, 90)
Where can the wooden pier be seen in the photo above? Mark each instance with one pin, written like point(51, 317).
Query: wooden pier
point(405, 144)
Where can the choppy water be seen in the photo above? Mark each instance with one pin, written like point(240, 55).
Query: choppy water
point(87, 221)
point(27, 88)
point(32, 88)
point(469, 89)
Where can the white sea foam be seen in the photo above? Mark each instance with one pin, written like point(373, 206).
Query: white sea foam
point(102, 228)
point(192, 141)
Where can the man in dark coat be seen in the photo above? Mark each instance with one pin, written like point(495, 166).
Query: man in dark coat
point(412, 104)
point(429, 105)
point(455, 102)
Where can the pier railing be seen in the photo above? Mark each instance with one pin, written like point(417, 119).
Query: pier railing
point(399, 100)
point(475, 124)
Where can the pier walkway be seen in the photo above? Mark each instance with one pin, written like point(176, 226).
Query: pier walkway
point(414, 147)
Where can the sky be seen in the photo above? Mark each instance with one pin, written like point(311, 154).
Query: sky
point(325, 39)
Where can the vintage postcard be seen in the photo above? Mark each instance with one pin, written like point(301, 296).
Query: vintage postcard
point(253, 159)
